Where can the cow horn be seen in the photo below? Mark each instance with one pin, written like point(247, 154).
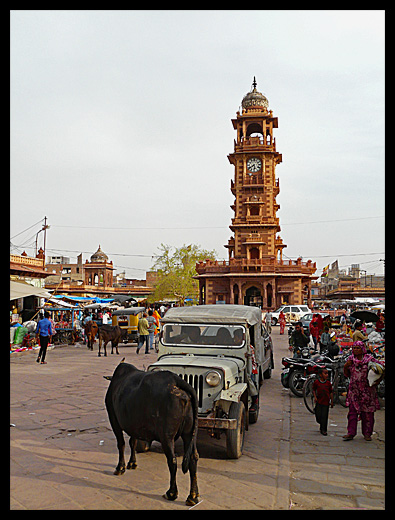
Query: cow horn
point(122, 360)
point(108, 377)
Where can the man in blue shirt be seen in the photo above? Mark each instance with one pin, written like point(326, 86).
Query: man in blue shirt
point(44, 330)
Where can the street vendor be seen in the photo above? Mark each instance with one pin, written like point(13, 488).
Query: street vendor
point(358, 335)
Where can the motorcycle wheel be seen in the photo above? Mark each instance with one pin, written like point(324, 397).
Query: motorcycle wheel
point(296, 381)
point(341, 390)
point(308, 396)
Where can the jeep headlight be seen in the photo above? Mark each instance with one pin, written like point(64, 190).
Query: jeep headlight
point(213, 378)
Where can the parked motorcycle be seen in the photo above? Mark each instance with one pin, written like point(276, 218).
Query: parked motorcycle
point(295, 372)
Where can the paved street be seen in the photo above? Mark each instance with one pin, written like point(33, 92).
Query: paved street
point(63, 451)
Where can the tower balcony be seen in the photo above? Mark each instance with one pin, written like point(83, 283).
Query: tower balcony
point(258, 143)
point(265, 265)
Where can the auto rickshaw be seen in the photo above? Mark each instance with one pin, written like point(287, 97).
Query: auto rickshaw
point(127, 319)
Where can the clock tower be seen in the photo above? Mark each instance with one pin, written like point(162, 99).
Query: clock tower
point(255, 273)
point(255, 187)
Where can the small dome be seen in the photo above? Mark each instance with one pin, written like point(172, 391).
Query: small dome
point(254, 98)
point(99, 256)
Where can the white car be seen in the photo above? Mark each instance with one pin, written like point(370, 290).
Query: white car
point(297, 310)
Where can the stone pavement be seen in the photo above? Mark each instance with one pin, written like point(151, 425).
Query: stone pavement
point(63, 451)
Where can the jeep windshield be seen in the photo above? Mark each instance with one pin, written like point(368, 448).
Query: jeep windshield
point(204, 335)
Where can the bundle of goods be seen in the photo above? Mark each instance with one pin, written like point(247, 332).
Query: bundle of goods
point(375, 371)
point(20, 333)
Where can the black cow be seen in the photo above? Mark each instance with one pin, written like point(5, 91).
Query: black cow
point(109, 333)
point(155, 406)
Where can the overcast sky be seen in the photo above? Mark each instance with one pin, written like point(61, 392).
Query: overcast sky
point(120, 129)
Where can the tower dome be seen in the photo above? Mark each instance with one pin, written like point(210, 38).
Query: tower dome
point(99, 256)
point(255, 98)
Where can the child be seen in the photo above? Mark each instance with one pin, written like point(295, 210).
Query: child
point(323, 396)
point(325, 340)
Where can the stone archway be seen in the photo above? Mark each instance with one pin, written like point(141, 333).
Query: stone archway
point(253, 296)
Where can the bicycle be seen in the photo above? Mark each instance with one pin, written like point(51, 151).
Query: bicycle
point(337, 378)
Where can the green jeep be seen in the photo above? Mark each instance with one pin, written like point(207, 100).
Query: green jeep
point(224, 352)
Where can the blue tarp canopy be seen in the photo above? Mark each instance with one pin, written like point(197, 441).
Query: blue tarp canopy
point(82, 299)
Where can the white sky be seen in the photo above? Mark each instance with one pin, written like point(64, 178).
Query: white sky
point(120, 129)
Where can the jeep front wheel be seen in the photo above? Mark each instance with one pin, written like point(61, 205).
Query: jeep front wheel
point(235, 438)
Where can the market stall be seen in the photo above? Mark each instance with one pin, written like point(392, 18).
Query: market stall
point(67, 324)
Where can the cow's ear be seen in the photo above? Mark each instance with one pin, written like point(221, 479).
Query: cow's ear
point(122, 360)
point(108, 377)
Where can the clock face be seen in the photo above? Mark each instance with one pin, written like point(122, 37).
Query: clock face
point(254, 164)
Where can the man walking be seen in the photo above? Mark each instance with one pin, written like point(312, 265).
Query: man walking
point(44, 332)
point(143, 334)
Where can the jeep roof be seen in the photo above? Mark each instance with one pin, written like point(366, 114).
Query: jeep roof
point(225, 313)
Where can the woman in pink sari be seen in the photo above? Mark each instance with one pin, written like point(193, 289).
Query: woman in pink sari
point(281, 320)
point(362, 399)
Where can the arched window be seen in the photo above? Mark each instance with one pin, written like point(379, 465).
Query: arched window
point(254, 128)
point(254, 253)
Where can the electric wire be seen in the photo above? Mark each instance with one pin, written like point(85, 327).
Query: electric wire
point(152, 228)
point(26, 229)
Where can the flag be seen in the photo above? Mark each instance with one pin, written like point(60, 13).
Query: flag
point(325, 271)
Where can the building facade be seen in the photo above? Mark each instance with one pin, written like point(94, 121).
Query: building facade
point(256, 273)
point(93, 277)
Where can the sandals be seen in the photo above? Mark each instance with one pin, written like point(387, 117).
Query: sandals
point(348, 437)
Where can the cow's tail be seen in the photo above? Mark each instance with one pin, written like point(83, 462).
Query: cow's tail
point(191, 449)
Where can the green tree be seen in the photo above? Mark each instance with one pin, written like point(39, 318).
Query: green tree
point(176, 269)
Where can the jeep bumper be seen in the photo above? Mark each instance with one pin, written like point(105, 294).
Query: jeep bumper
point(214, 423)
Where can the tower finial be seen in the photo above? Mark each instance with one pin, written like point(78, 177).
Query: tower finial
point(254, 83)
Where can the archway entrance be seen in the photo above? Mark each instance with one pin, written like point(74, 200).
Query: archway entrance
point(253, 296)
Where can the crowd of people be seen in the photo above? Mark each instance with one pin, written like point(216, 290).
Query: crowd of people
point(362, 399)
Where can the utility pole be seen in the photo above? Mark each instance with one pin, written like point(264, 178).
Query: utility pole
point(44, 228)
point(45, 236)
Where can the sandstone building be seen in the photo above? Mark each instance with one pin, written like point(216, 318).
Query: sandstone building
point(256, 273)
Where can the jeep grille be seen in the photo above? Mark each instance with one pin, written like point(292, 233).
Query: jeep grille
point(197, 383)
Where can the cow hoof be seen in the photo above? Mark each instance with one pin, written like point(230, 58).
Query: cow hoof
point(192, 501)
point(131, 466)
point(170, 496)
point(119, 471)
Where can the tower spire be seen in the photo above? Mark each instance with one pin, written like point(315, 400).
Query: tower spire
point(254, 83)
